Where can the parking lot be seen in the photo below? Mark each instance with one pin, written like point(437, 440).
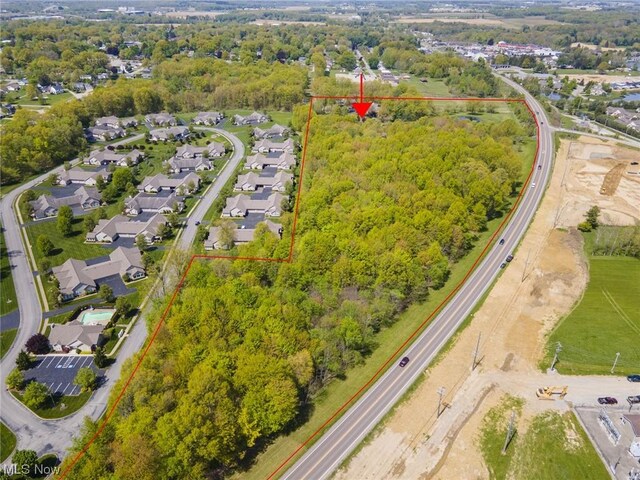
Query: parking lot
point(58, 371)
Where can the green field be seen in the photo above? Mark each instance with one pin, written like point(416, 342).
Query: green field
point(433, 87)
point(8, 300)
point(552, 446)
point(7, 442)
point(60, 405)
point(606, 321)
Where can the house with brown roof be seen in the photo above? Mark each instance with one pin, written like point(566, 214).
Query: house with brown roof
point(75, 336)
point(77, 278)
point(252, 181)
point(240, 205)
point(109, 230)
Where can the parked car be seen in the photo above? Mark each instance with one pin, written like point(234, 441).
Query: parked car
point(509, 258)
point(197, 223)
point(633, 399)
point(503, 264)
point(533, 185)
point(539, 167)
point(634, 378)
point(502, 241)
point(404, 361)
point(607, 401)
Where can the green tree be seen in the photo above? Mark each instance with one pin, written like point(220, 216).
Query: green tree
point(23, 360)
point(141, 243)
point(35, 395)
point(86, 379)
point(100, 358)
point(106, 292)
point(592, 217)
point(65, 220)
point(44, 245)
point(121, 178)
point(26, 460)
point(15, 379)
point(123, 305)
point(89, 223)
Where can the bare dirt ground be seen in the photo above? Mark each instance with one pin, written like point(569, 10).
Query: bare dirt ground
point(546, 278)
point(594, 77)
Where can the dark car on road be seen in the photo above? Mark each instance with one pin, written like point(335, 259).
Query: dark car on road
point(509, 258)
point(633, 399)
point(634, 378)
point(503, 264)
point(502, 241)
point(404, 361)
point(607, 401)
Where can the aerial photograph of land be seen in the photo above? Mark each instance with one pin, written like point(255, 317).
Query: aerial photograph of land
point(309, 240)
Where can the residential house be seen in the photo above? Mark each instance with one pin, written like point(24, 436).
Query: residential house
point(75, 335)
point(104, 133)
point(252, 119)
point(47, 206)
point(190, 151)
point(284, 161)
point(54, 89)
point(12, 86)
point(267, 146)
point(108, 231)
point(208, 118)
point(271, 132)
point(77, 278)
point(164, 134)
point(216, 149)
point(240, 205)
point(185, 185)
point(83, 177)
point(112, 122)
point(240, 235)
point(105, 157)
point(197, 164)
point(252, 181)
point(161, 119)
point(145, 202)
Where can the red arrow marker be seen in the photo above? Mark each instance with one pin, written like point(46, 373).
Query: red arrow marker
point(361, 107)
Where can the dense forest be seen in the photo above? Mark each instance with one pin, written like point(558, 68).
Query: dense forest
point(385, 210)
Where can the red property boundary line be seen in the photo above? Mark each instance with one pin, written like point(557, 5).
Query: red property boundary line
point(289, 259)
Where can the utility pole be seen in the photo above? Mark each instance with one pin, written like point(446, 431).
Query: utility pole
point(474, 363)
point(441, 391)
point(510, 432)
point(615, 361)
point(555, 357)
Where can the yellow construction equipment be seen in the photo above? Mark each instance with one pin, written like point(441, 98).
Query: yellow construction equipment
point(547, 393)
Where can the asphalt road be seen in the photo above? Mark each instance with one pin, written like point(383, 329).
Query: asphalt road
point(189, 233)
point(55, 436)
point(323, 457)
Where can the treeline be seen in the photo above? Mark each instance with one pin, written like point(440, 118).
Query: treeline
point(610, 240)
point(385, 210)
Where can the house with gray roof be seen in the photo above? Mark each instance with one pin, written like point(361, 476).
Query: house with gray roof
point(168, 133)
point(186, 184)
point(240, 205)
point(162, 119)
point(109, 230)
point(104, 133)
point(267, 146)
point(252, 119)
point(106, 157)
point(116, 122)
point(87, 178)
point(77, 278)
point(273, 131)
point(47, 206)
point(75, 335)
point(150, 203)
point(240, 235)
point(196, 164)
point(208, 118)
point(252, 181)
point(284, 161)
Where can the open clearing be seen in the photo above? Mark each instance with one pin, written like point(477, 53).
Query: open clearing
point(485, 20)
point(541, 285)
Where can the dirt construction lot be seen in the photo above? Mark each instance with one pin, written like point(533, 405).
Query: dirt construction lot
point(546, 278)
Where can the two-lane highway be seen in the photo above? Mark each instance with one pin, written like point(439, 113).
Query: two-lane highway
point(338, 442)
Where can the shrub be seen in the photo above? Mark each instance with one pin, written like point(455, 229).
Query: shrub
point(38, 344)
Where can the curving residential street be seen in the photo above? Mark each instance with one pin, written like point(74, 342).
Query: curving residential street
point(55, 436)
point(329, 451)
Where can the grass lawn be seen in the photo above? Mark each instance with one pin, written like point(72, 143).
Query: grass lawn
point(433, 87)
point(60, 405)
point(72, 246)
point(606, 321)
point(6, 340)
point(552, 446)
point(7, 442)
point(8, 299)
point(388, 340)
